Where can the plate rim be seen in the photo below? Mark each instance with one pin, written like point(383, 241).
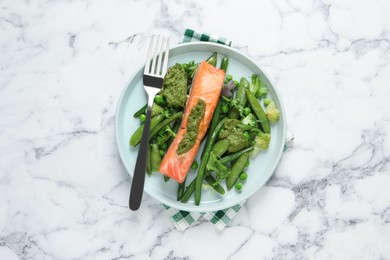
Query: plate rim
point(199, 208)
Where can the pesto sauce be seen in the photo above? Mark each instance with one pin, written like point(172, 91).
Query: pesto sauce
point(189, 138)
point(235, 135)
point(175, 87)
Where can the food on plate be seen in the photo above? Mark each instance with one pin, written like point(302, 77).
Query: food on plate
point(199, 101)
point(205, 91)
point(175, 87)
point(272, 112)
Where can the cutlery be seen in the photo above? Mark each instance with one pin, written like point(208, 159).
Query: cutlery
point(155, 69)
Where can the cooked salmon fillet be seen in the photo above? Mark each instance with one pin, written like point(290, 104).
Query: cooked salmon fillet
point(206, 85)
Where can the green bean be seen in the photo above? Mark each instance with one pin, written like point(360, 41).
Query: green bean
point(194, 165)
point(140, 111)
point(234, 156)
point(155, 157)
point(216, 186)
point(137, 135)
point(212, 60)
point(237, 168)
point(148, 165)
point(180, 189)
point(221, 147)
point(240, 97)
point(224, 64)
point(258, 111)
point(204, 159)
point(164, 123)
point(188, 192)
point(214, 122)
point(213, 125)
point(191, 188)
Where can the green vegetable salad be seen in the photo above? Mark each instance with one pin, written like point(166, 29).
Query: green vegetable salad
point(240, 128)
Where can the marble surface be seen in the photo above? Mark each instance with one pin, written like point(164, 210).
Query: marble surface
point(64, 193)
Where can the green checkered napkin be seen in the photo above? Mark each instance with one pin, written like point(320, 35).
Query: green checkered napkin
point(192, 36)
point(183, 219)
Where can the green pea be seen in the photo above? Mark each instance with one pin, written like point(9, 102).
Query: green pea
point(238, 186)
point(159, 100)
point(266, 102)
point(142, 117)
point(162, 152)
point(247, 110)
point(163, 146)
point(246, 134)
point(236, 82)
point(247, 163)
point(225, 109)
point(243, 176)
point(194, 165)
point(229, 77)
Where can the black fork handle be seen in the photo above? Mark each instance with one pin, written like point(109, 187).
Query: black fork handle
point(137, 185)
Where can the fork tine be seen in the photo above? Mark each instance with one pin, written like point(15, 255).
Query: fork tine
point(155, 52)
point(166, 55)
point(149, 56)
point(160, 58)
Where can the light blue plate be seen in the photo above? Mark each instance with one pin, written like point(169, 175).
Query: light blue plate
point(261, 167)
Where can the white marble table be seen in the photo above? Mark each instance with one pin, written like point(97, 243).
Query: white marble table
point(64, 193)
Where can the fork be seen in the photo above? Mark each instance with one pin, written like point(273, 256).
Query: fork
point(155, 69)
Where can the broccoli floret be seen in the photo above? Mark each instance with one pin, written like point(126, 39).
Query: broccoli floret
point(156, 110)
point(235, 135)
point(272, 112)
point(250, 120)
point(261, 142)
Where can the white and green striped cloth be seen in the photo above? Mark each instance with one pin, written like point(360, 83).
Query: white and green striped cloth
point(183, 219)
point(193, 36)
point(221, 218)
